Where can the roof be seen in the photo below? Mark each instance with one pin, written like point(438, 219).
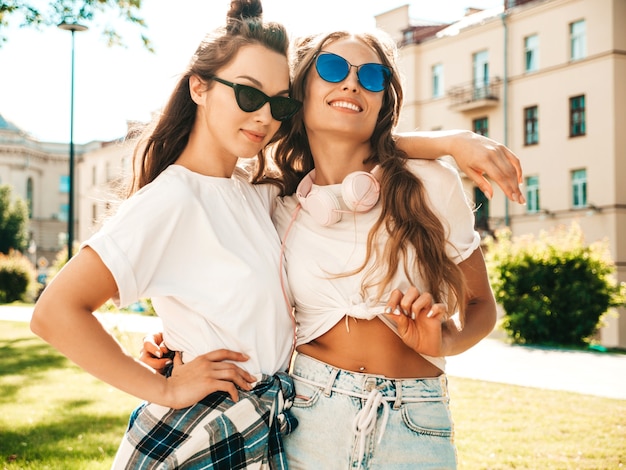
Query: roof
point(472, 19)
point(420, 33)
point(8, 125)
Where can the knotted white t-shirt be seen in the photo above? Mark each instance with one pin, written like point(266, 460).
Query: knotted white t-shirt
point(316, 254)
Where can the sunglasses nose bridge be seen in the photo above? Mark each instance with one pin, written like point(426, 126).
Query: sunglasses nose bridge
point(351, 76)
point(265, 111)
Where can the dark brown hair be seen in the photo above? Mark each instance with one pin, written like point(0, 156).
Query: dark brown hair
point(406, 214)
point(166, 137)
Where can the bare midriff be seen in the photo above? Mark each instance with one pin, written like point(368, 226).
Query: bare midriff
point(368, 347)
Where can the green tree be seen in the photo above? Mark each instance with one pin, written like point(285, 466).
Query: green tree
point(13, 221)
point(38, 14)
point(17, 278)
point(554, 289)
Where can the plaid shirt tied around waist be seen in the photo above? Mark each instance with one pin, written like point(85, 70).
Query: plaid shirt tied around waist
point(215, 433)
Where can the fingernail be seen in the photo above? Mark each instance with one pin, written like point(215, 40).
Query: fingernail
point(397, 311)
point(158, 353)
point(430, 314)
point(168, 362)
point(412, 315)
point(388, 310)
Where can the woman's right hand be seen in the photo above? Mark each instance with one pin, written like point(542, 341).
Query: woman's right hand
point(419, 320)
point(211, 372)
point(192, 377)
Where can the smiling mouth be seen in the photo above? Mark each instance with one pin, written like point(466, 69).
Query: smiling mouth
point(346, 105)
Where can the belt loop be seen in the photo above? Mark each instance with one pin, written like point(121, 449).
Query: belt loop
point(331, 381)
point(443, 381)
point(398, 401)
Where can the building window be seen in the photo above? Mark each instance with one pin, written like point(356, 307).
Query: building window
point(481, 215)
point(437, 81)
point(64, 184)
point(64, 212)
point(29, 197)
point(94, 178)
point(94, 214)
point(531, 53)
point(578, 40)
point(481, 126)
point(579, 188)
point(408, 36)
point(532, 194)
point(531, 125)
point(577, 124)
point(480, 61)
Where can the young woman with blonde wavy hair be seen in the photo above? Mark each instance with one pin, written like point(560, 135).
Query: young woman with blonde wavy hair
point(363, 227)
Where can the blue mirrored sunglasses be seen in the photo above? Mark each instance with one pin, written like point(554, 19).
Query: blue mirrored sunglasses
point(250, 99)
point(333, 68)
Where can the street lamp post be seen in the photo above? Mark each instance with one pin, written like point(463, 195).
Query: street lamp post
point(72, 27)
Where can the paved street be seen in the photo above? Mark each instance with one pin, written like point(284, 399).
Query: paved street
point(587, 372)
point(592, 373)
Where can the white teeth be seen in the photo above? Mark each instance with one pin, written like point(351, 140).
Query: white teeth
point(345, 104)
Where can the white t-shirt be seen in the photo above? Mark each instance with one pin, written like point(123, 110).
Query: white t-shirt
point(315, 253)
point(204, 249)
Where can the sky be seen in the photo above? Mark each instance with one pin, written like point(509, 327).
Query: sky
point(113, 85)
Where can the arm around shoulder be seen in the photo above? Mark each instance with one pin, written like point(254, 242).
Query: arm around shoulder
point(476, 156)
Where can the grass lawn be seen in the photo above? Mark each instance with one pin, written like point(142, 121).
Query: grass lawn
point(54, 416)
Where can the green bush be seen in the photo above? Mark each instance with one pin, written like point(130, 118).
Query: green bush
point(554, 289)
point(17, 277)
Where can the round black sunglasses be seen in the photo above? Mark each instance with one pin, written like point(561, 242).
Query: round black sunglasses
point(333, 68)
point(250, 99)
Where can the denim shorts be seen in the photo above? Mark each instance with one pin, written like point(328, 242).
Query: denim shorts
point(349, 420)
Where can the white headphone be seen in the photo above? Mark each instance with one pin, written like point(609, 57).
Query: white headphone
point(360, 191)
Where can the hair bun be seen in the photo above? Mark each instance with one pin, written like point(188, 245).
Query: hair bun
point(245, 9)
